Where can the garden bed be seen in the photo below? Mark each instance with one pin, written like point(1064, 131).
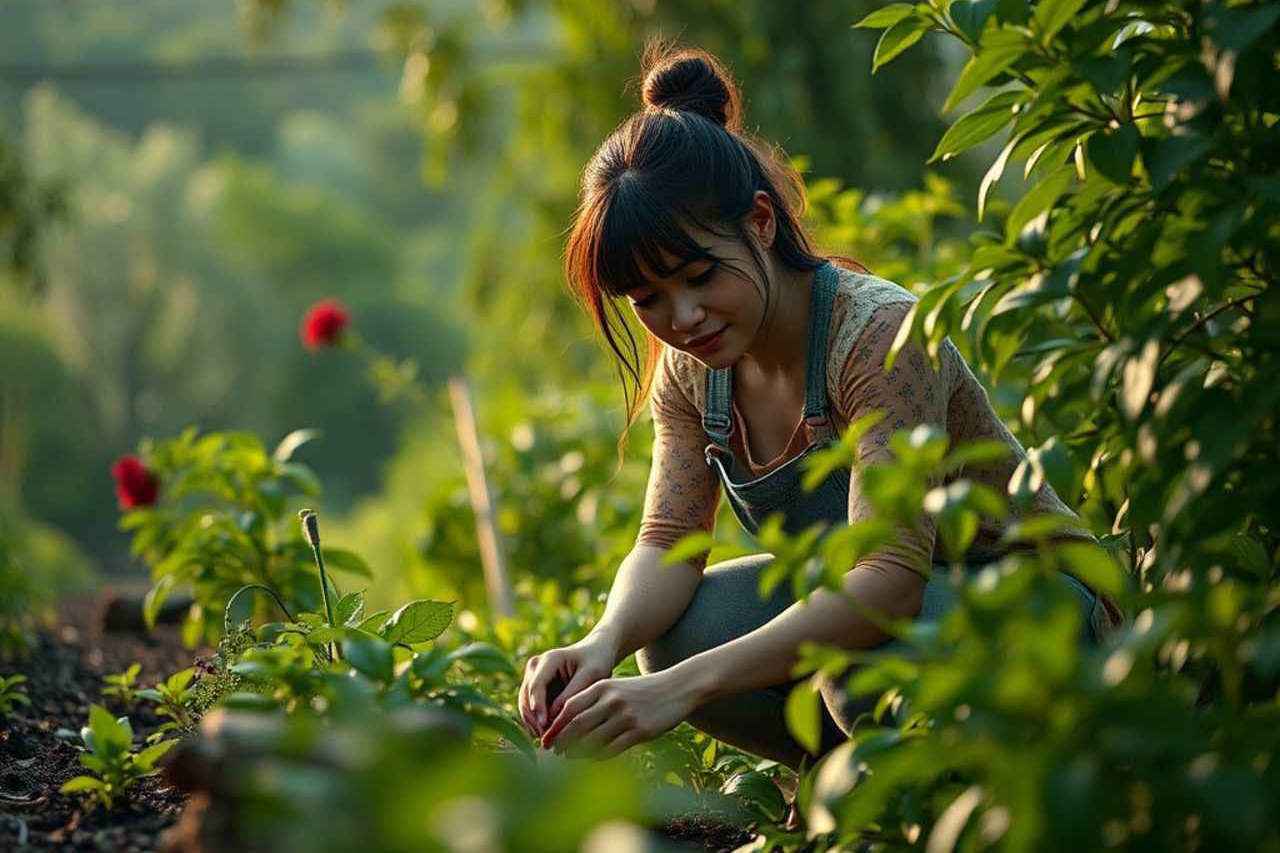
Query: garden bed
point(65, 672)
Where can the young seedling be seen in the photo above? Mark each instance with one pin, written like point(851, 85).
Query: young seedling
point(108, 754)
point(174, 697)
point(120, 685)
point(12, 693)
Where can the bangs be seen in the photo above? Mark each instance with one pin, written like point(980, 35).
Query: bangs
point(635, 233)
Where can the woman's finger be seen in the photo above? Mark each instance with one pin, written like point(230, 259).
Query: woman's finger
point(594, 743)
point(581, 726)
point(571, 709)
point(622, 743)
point(580, 681)
point(543, 670)
point(523, 704)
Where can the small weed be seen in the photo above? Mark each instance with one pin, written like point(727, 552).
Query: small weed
point(108, 754)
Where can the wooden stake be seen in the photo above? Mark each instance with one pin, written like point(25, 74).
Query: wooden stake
point(495, 572)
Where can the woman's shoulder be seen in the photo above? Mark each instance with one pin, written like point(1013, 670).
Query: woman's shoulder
point(858, 297)
point(680, 373)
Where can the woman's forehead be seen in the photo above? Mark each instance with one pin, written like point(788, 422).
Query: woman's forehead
point(673, 264)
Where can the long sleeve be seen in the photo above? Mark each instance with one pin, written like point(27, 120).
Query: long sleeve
point(912, 393)
point(682, 493)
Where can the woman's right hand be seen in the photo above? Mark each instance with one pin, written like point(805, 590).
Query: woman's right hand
point(573, 668)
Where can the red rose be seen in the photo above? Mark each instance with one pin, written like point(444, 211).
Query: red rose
point(135, 485)
point(324, 323)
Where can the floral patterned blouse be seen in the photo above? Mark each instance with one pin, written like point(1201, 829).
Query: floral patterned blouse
point(683, 492)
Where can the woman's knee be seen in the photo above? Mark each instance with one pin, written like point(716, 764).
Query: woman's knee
point(725, 605)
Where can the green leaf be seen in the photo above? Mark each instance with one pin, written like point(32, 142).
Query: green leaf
point(369, 655)
point(691, 545)
point(291, 442)
point(1112, 152)
point(1166, 157)
point(1093, 565)
point(418, 622)
point(82, 783)
point(888, 16)
point(1235, 28)
point(431, 665)
point(758, 791)
point(993, 175)
point(341, 560)
point(302, 478)
point(977, 126)
point(1052, 15)
point(147, 758)
point(349, 608)
point(1041, 197)
point(896, 39)
point(109, 735)
point(155, 598)
point(804, 716)
point(177, 682)
point(970, 16)
point(483, 657)
point(373, 622)
point(998, 51)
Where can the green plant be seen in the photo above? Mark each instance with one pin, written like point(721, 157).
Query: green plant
point(332, 659)
point(175, 699)
point(108, 754)
point(219, 525)
point(120, 685)
point(12, 693)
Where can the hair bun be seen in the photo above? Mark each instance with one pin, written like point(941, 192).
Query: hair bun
point(691, 80)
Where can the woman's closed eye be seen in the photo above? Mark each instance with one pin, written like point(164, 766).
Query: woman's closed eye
point(694, 281)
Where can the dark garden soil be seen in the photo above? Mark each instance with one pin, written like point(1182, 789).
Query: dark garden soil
point(37, 753)
point(64, 671)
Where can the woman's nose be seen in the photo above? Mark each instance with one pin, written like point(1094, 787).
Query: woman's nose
point(688, 315)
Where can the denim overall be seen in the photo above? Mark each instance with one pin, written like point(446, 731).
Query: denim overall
point(727, 604)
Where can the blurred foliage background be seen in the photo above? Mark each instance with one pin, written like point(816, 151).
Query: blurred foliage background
point(180, 180)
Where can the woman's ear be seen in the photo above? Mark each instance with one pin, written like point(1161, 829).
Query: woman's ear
point(760, 222)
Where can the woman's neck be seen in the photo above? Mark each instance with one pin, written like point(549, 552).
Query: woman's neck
point(782, 344)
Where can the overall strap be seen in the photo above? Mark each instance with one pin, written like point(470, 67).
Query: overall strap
point(825, 281)
point(717, 420)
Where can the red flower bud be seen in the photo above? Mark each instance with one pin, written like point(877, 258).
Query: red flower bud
point(324, 324)
point(135, 485)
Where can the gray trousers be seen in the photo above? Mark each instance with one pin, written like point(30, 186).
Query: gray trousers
point(726, 605)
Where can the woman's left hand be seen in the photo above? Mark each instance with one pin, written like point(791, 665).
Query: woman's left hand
point(615, 714)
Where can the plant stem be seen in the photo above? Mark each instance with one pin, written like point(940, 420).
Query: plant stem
point(311, 528)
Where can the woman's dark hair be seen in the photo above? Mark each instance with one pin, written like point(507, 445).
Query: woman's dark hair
point(682, 160)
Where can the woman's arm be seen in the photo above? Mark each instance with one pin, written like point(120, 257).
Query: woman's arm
point(646, 599)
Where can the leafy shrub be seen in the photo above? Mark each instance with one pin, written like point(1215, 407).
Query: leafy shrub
point(219, 525)
point(1131, 290)
point(108, 753)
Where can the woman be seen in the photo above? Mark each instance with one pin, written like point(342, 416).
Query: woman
point(760, 351)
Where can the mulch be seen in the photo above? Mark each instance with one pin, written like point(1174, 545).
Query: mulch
point(65, 671)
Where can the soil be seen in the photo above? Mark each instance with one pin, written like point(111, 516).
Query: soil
point(64, 672)
point(65, 669)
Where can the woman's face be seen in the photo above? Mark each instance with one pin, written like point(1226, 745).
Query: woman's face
point(707, 308)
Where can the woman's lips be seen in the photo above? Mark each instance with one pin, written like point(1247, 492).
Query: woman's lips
point(706, 345)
